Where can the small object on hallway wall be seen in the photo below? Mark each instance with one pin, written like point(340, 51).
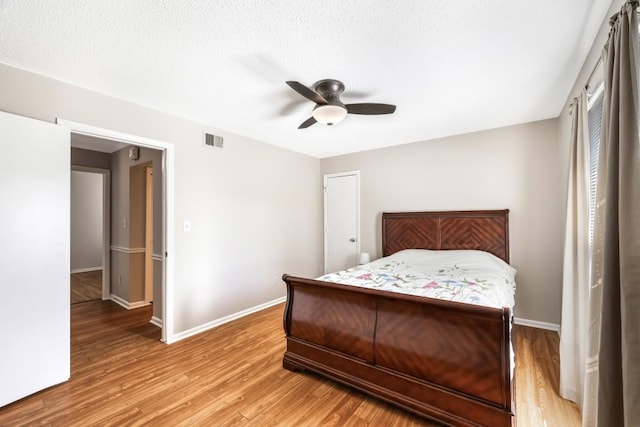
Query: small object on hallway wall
point(134, 152)
point(364, 258)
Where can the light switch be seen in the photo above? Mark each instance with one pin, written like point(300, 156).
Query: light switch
point(187, 226)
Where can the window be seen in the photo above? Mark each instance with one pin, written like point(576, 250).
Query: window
point(595, 127)
point(596, 99)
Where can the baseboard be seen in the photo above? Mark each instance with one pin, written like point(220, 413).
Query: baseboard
point(126, 304)
point(214, 323)
point(85, 270)
point(536, 324)
point(156, 321)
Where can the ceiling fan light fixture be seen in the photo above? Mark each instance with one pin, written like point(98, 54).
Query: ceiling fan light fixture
point(329, 110)
point(329, 114)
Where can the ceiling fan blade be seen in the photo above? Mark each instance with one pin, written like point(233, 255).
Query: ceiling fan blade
point(310, 121)
point(370, 109)
point(307, 93)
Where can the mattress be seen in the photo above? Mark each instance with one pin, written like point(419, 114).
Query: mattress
point(467, 276)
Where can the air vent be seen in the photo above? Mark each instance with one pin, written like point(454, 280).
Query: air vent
point(214, 141)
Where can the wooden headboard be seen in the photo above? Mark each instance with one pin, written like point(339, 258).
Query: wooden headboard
point(482, 230)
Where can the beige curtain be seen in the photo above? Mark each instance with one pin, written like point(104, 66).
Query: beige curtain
point(612, 381)
point(575, 279)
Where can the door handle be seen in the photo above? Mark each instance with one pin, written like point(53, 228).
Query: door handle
point(352, 240)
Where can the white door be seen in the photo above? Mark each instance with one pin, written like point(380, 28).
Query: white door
point(34, 256)
point(341, 220)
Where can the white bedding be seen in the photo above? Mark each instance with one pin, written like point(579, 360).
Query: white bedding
point(468, 276)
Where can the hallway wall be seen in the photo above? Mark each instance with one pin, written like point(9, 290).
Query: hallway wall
point(86, 221)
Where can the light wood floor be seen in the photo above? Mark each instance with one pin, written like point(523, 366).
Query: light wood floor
point(86, 286)
point(121, 374)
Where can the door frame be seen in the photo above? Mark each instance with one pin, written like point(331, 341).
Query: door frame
point(168, 169)
point(148, 234)
point(325, 234)
point(106, 225)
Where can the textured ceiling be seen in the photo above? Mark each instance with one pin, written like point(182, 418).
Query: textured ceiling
point(451, 67)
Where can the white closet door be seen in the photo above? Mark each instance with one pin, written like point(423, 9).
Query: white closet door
point(34, 256)
point(342, 206)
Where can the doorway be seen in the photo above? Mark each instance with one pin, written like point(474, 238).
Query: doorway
point(164, 317)
point(137, 260)
point(90, 231)
point(341, 220)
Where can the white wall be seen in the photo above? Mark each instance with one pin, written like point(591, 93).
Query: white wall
point(255, 209)
point(86, 221)
point(513, 167)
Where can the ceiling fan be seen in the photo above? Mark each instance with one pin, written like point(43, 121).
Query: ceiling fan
point(329, 110)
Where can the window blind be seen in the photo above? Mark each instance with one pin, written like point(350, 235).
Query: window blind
point(595, 128)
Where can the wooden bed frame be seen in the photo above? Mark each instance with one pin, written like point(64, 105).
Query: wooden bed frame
point(447, 361)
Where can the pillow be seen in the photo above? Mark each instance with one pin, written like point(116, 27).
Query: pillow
point(461, 257)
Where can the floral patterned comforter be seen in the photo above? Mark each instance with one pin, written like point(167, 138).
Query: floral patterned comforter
point(472, 277)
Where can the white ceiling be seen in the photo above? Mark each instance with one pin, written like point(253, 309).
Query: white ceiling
point(451, 67)
point(96, 144)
